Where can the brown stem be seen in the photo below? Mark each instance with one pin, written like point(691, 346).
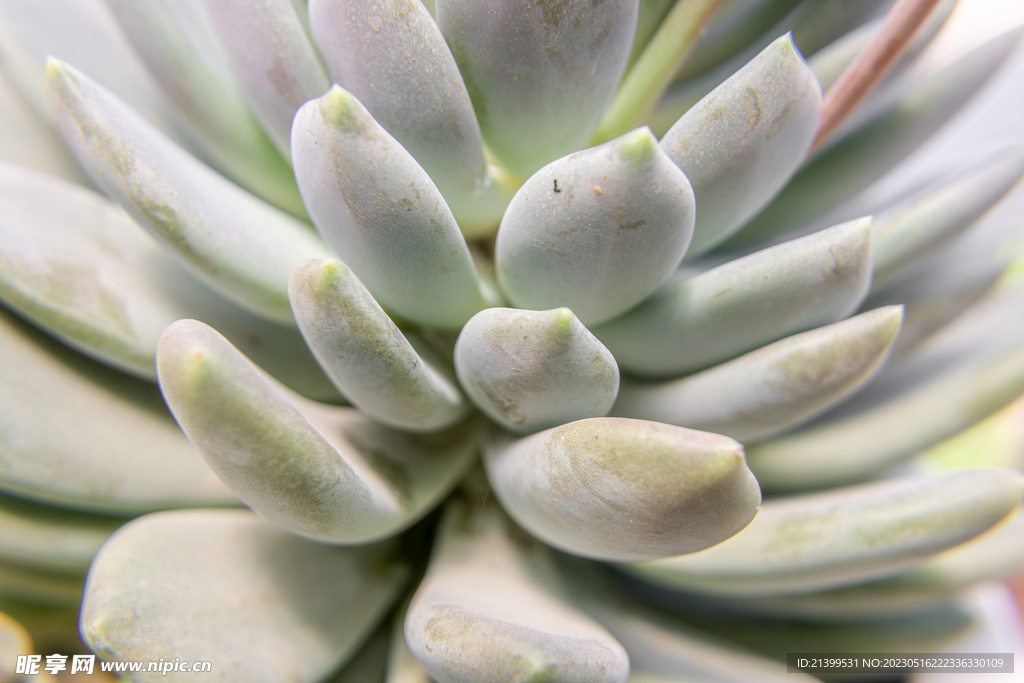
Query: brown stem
point(861, 76)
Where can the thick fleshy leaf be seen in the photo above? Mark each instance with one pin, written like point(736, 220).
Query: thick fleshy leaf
point(690, 324)
point(915, 228)
point(881, 433)
point(77, 434)
point(839, 538)
point(622, 490)
point(491, 609)
point(176, 40)
point(531, 370)
point(995, 554)
point(49, 539)
point(740, 144)
point(240, 246)
point(366, 355)
point(968, 372)
point(30, 141)
point(83, 33)
point(273, 59)
point(539, 74)
point(383, 214)
point(419, 97)
point(269, 605)
point(621, 208)
point(774, 388)
point(323, 472)
point(85, 271)
point(854, 163)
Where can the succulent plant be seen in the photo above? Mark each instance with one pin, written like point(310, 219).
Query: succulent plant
point(515, 309)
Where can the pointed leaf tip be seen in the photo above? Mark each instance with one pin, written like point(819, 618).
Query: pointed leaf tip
point(692, 323)
point(743, 141)
point(237, 244)
point(844, 537)
point(776, 387)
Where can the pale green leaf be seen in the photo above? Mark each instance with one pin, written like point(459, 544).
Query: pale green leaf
point(891, 423)
point(491, 608)
point(838, 538)
point(737, 25)
point(237, 244)
point(88, 274)
point(402, 667)
point(419, 97)
point(366, 356)
point(938, 298)
point(323, 472)
point(622, 490)
point(848, 167)
point(916, 227)
point(740, 144)
point(680, 98)
point(273, 60)
point(531, 370)
point(83, 33)
point(995, 554)
point(380, 210)
point(774, 388)
point(44, 538)
point(262, 605)
point(30, 141)
point(596, 231)
point(663, 648)
point(176, 40)
point(539, 74)
point(74, 433)
point(690, 324)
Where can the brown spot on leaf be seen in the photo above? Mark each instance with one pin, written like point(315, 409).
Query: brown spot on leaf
point(594, 46)
point(752, 109)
